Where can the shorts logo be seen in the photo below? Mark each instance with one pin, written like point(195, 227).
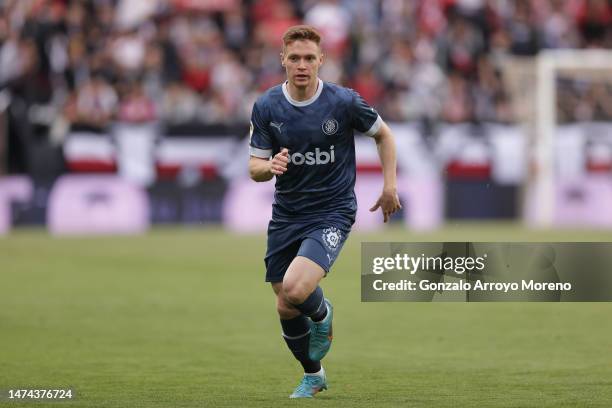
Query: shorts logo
point(330, 126)
point(331, 237)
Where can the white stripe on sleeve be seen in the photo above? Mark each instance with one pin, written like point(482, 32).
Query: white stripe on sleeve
point(375, 127)
point(261, 153)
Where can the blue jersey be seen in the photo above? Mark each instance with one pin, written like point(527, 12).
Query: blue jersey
point(319, 134)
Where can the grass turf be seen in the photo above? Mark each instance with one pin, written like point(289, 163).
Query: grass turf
point(182, 318)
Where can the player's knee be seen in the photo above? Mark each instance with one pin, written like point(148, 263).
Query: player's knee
point(281, 305)
point(295, 293)
point(284, 309)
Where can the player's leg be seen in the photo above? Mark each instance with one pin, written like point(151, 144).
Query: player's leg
point(295, 326)
point(302, 290)
point(301, 287)
point(314, 259)
point(296, 332)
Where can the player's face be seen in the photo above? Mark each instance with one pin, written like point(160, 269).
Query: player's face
point(302, 59)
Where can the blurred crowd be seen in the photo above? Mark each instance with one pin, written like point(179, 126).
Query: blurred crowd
point(96, 61)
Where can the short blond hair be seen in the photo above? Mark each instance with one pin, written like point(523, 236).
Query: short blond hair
point(301, 32)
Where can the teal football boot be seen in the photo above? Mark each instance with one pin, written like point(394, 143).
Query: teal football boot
point(321, 335)
point(309, 386)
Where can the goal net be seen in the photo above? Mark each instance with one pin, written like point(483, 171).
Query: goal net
point(563, 98)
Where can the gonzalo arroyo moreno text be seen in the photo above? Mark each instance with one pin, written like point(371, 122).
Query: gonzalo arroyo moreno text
point(458, 265)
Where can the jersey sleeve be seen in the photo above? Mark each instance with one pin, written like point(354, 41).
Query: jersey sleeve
point(365, 119)
point(260, 141)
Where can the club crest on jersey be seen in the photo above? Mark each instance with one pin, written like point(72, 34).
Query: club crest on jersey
point(331, 237)
point(330, 127)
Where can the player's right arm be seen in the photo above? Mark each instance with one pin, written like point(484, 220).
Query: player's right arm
point(264, 169)
point(261, 166)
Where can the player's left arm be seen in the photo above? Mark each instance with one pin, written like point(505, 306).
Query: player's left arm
point(388, 201)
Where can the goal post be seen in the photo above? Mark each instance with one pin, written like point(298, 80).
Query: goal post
point(550, 65)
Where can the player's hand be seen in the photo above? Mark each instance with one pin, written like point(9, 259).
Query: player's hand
point(278, 164)
point(388, 202)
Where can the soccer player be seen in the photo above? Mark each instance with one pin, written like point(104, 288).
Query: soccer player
point(302, 133)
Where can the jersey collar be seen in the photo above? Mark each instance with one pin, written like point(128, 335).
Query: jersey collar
point(307, 101)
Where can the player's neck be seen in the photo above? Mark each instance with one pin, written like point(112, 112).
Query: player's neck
point(301, 94)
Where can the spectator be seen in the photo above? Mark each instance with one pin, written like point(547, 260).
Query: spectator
point(188, 61)
point(523, 30)
point(180, 104)
point(94, 103)
point(595, 22)
point(136, 106)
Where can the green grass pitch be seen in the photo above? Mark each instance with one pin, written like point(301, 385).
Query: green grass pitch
point(182, 318)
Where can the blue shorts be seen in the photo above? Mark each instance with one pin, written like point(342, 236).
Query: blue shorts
point(319, 243)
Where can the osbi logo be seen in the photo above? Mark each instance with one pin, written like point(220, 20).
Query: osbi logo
point(311, 158)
